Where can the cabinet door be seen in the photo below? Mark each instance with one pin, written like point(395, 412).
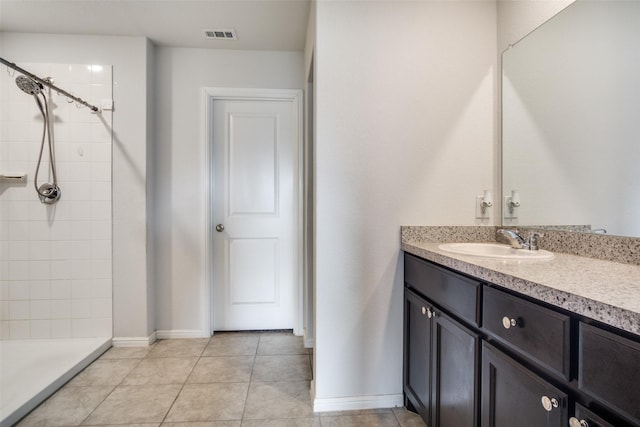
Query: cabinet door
point(609, 370)
point(455, 369)
point(514, 396)
point(417, 366)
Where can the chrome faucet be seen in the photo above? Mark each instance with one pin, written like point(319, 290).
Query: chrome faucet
point(518, 242)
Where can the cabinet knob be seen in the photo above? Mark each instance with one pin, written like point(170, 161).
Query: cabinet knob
point(424, 310)
point(219, 228)
point(508, 322)
point(431, 313)
point(548, 403)
point(574, 422)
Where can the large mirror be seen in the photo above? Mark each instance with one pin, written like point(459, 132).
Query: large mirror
point(571, 121)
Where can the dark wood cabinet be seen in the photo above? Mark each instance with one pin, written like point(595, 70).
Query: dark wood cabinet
point(609, 370)
point(535, 332)
point(513, 395)
point(456, 357)
point(441, 363)
point(417, 361)
point(479, 355)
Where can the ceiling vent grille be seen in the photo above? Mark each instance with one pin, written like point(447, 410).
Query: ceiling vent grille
point(220, 34)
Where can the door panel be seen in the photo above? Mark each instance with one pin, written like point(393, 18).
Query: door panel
point(255, 181)
point(253, 155)
point(256, 282)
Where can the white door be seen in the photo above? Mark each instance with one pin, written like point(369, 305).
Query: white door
point(255, 214)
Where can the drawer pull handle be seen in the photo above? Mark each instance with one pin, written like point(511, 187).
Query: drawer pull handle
point(574, 422)
point(429, 312)
point(509, 323)
point(548, 403)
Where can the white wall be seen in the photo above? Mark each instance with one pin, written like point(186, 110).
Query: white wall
point(128, 55)
point(404, 135)
point(182, 295)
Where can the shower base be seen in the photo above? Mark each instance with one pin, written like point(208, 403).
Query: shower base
point(31, 370)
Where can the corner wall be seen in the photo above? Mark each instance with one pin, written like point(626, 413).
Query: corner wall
point(404, 135)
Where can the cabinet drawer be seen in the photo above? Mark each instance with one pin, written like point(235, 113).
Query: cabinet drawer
point(456, 293)
point(537, 333)
point(609, 370)
point(587, 418)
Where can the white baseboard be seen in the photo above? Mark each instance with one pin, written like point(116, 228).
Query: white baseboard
point(358, 402)
point(181, 333)
point(133, 341)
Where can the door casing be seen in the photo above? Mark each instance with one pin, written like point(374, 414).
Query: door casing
point(209, 95)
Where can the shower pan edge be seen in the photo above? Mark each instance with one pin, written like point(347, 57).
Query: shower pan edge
point(65, 358)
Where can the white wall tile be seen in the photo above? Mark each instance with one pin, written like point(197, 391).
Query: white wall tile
point(18, 290)
point(41, 287)
point(102, 327)
point(60, 250)
point(61, 328)
point(39, 250)
point(40, 309)
point(101, 308)
point(4, 330)
point(101, 230)
point(81, 328)
point(19, 250)
point(4, 310)
point(81, 309)
point(82, 289)
point(39, 290)
point(61, 289)
point(40, 329)
point(39, 270)
point(61, 309)
point(19, 310)
point(19, 329)
point(18, 270)
point(59, 269)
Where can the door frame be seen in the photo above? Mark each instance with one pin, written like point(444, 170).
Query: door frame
point(209, 95)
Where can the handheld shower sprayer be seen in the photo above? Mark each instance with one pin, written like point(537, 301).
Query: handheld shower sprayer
point(49, 192)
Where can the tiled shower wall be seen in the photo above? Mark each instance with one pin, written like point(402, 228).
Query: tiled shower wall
point(55, 260)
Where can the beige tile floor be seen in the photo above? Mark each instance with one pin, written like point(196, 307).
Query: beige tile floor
point(230, 380)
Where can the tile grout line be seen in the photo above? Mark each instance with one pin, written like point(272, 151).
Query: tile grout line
point(82, 423)
point(253, 365)
point(184, 383)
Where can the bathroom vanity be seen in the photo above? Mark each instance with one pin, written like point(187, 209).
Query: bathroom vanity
point(504, 343)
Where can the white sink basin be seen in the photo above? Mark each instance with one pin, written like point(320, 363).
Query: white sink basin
point(494, 250)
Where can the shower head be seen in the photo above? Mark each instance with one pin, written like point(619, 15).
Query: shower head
point(28, 85)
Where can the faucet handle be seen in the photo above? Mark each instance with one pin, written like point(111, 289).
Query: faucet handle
point(532, 240)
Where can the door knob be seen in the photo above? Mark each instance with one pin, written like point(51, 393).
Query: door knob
point(219, 228)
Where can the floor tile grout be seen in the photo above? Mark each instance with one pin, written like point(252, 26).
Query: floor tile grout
point(285, 402)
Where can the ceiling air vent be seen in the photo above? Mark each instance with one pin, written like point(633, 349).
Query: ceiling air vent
point(220, 34)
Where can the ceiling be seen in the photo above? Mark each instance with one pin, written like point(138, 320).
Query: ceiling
point(259, 24)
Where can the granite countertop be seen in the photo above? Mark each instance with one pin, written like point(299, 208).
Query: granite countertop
point(606, 291)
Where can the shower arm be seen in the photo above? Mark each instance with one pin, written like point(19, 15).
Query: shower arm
point(49, 84)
